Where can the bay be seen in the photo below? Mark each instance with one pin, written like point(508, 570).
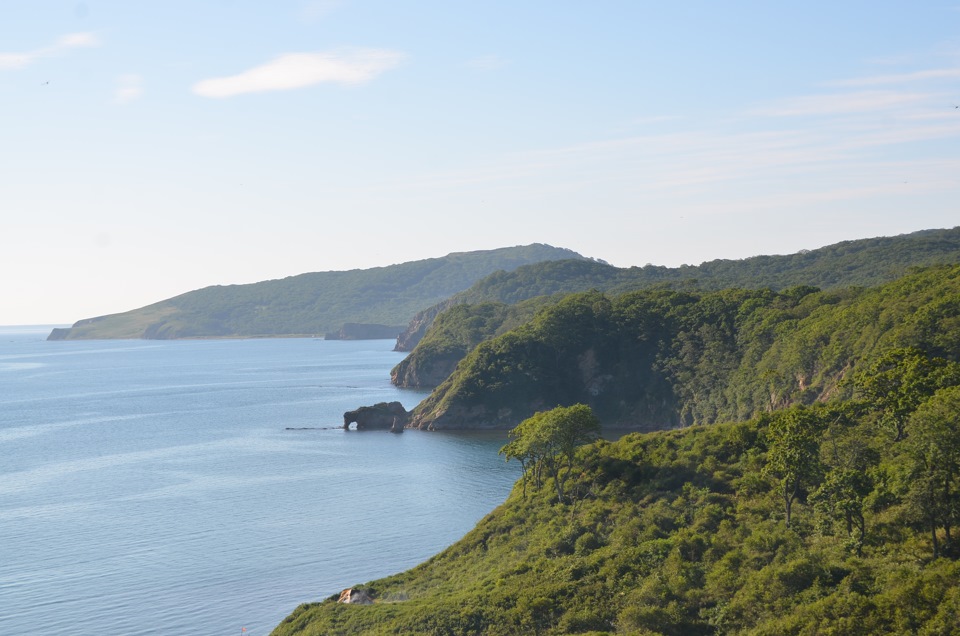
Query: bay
point(157, 487)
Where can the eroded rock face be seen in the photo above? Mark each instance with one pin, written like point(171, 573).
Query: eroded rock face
point(356, 597)
point(419, 372)
point(383, 415)
point(414, 332)
point(477, 417)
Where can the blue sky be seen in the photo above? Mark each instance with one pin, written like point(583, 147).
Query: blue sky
point(152, 148)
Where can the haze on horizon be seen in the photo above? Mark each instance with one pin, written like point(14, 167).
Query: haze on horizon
point(155, 148)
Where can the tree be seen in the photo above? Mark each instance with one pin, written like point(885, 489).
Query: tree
point(841, 496)
point(934, 478)
point(548, 441)
point(793, 457)
point(899, 381)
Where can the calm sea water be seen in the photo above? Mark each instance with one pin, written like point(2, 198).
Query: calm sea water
point(153, 487)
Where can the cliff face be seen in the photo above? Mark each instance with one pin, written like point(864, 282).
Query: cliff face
point(411, 335)
point(476, 417)
point(425, 372)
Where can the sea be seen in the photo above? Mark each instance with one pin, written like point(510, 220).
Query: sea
point(207, 487)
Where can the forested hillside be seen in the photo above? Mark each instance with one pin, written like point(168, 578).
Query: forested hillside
point(831, 507)
point(663, 358)
point(807, 521)
point(863, 263)
point(311, 304)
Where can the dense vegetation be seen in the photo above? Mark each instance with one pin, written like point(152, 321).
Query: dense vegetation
point(662, 358)
point(454, 333)
point(315, 303)
point(860, 263)
point(686, 532)
point(813, 487)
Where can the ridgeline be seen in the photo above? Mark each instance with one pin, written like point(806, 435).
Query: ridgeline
point(441, 336)
point(311, 304)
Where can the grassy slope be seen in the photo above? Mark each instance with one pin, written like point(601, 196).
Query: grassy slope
point(675, 533)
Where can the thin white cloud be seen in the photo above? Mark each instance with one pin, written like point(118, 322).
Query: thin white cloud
point(298, 70)
point(487, 63)
point(900, 78)
point(841, 103)
point(129, 88)
point(14, 61)
point(73, 40)
point(11, 61)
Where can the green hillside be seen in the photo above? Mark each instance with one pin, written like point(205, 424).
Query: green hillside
point(435, 352)
point(832, 507)
point(311, 304)
point(864, 263)
point(662, 358)
point(685, 533)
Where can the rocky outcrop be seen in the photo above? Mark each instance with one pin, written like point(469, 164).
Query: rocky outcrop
point(413, 333)
point(387, 416)
point(360, 331)
point(477, 417)
point(355, 597)
point(425, 371)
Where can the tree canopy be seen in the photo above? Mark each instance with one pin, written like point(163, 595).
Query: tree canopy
point(548, 441)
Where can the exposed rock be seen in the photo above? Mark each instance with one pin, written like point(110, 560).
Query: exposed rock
point(476, 417)
point(424, 372)
point(360, 331)
point(355, 597)
point(383, 415)
point(413, 333)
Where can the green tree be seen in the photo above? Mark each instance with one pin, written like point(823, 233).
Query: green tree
point(934, 478)
point(548, 441)
point(899, 381)
point(793, 458)
point(841, 496)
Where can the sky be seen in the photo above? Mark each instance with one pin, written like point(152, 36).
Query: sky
point(148, 149)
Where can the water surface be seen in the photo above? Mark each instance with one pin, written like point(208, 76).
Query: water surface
point(152, 487)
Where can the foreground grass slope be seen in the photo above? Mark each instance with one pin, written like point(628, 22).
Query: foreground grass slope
point(683, 533)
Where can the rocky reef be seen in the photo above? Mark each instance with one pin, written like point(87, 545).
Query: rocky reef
point(388, 416)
